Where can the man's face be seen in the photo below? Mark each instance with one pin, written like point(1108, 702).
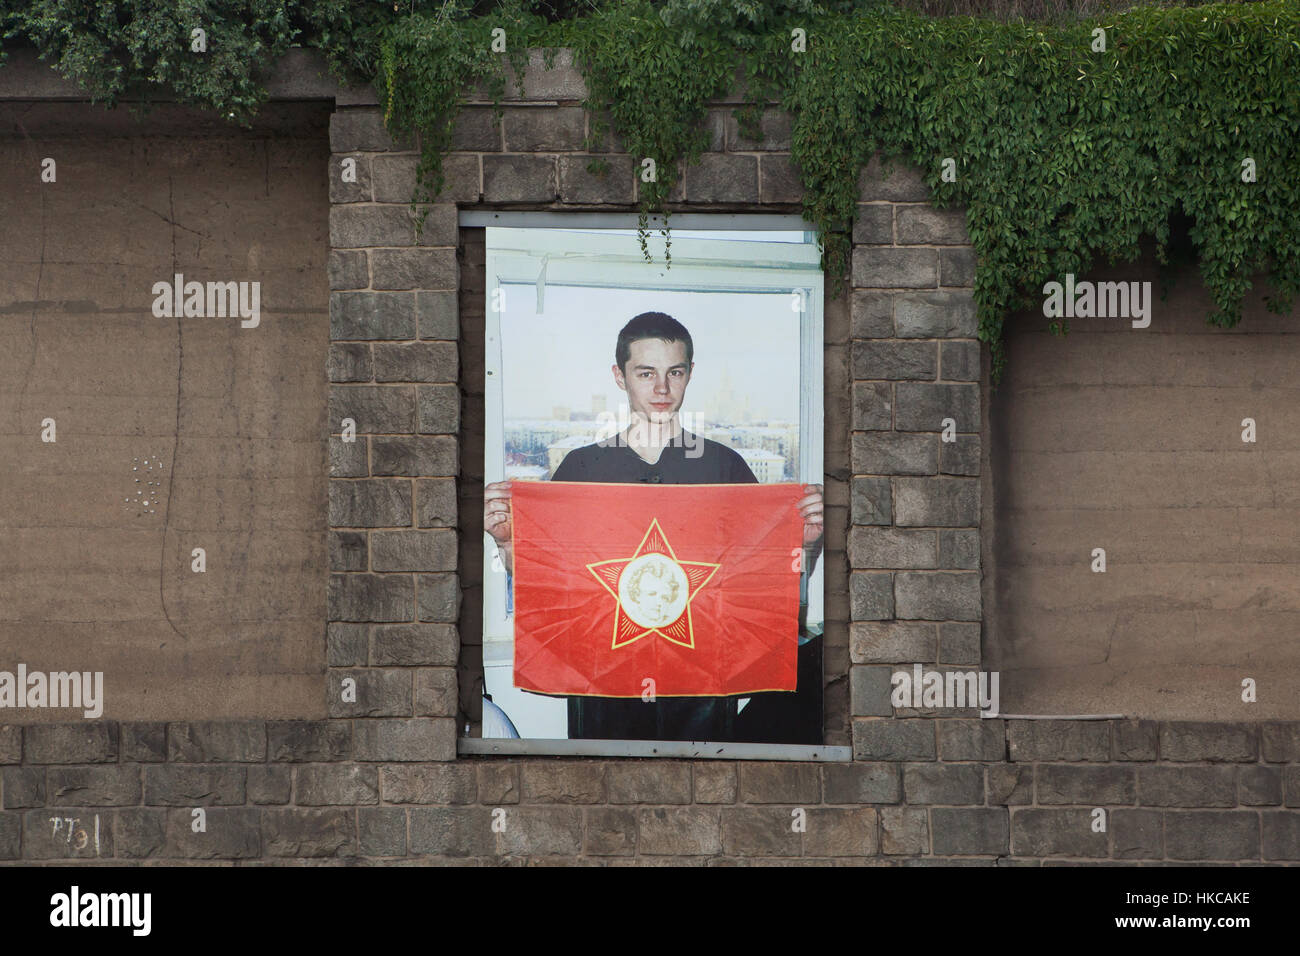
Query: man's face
point(655, 378)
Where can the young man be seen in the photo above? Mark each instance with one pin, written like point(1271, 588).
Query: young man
point(653, 363)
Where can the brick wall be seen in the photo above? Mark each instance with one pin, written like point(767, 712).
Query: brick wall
point(381, 778)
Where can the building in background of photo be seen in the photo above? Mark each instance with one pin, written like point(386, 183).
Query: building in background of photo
point(751, 300)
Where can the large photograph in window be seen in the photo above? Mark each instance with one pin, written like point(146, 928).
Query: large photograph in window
point(652, 509)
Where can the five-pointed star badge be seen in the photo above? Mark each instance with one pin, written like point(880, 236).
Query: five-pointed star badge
point(653, 590)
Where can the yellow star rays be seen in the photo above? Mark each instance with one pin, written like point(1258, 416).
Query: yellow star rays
point(652, 590)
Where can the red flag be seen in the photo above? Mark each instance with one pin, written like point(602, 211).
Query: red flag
point(695, 587)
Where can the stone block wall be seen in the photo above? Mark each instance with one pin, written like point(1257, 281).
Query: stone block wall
point(381, 778)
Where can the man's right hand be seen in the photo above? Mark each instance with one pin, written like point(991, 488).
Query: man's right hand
point(496, 512)
point(497, 520)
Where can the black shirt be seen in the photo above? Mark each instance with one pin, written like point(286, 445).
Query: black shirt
point(689, 460)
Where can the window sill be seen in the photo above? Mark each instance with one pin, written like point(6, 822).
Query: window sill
point(708, 750)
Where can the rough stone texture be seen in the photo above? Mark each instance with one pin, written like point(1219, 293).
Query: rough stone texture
point(688, 831)
point(891, 642)
point(925, 408)
point(370, 504)
point(435, 783)
point(346, 644)
point(563, 782)
point(714, 782)
point(1169, 786)
point(194, 786)
point(779, 179)
point(892, 739)
point(579, 185)
point(93, 786)
point(405, 740)
point(760, 831)
point(959, 361)
point(301, 740)
point(498, 783)
point(222, 741)
point(71, 743)
point(1280, 835)
point(936, 502)
point(957, 267)
point(1010, 784)
point(934, 315)
point(414, 644)
point(871, 596)
point(1137, 834)
point(861, 783)
point(869, 690)
point(923, 224)
point(23, 787)
point(67, 833)
point(1280, 741)
point(453, 831)
point(308, 833)
point(11, 744)
point(895, 268)
point(980, 739)
point(1082, 784)
point(519, 179)
point(871, 502)
point(944, 784)
point(1056, 833)
point(883, 359)
point(763, 782)
point(893, 548)
point(371, 597)
point(969, 832)
point(412, 457)
point(1204, 741)
point(381, 831)
point(871, 315)
point(904, 831)
point(415, 362)
point(1262, 787)
point(720, 178)
point(348, 269)
point(412, 268)
point(380, 780)
point(937, 596)
point(872, 406)
point(610, 832)
point(959, 642)
point(1059, 739)
point(652, 781)
point(1212, 835)
point(895, 453)
point(269, 784)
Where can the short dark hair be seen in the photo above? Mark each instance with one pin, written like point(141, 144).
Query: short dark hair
point(651, 325)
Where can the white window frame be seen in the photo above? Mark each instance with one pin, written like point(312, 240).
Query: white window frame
point(529, 254)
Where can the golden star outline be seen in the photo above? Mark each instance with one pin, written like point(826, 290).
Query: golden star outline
point(698, 574)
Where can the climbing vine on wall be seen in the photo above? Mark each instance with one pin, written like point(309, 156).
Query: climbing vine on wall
point(1065, 143)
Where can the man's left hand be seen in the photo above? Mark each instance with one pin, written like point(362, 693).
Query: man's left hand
point(810, 509)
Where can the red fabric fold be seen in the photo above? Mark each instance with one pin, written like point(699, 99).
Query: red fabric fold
point(694, 587)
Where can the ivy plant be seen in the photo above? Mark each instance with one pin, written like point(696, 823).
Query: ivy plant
point(1065, 142)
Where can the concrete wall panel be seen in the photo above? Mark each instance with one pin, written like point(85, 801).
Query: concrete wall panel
point(172, 433)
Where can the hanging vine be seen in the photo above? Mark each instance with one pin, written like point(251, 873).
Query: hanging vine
point(1065, 142)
